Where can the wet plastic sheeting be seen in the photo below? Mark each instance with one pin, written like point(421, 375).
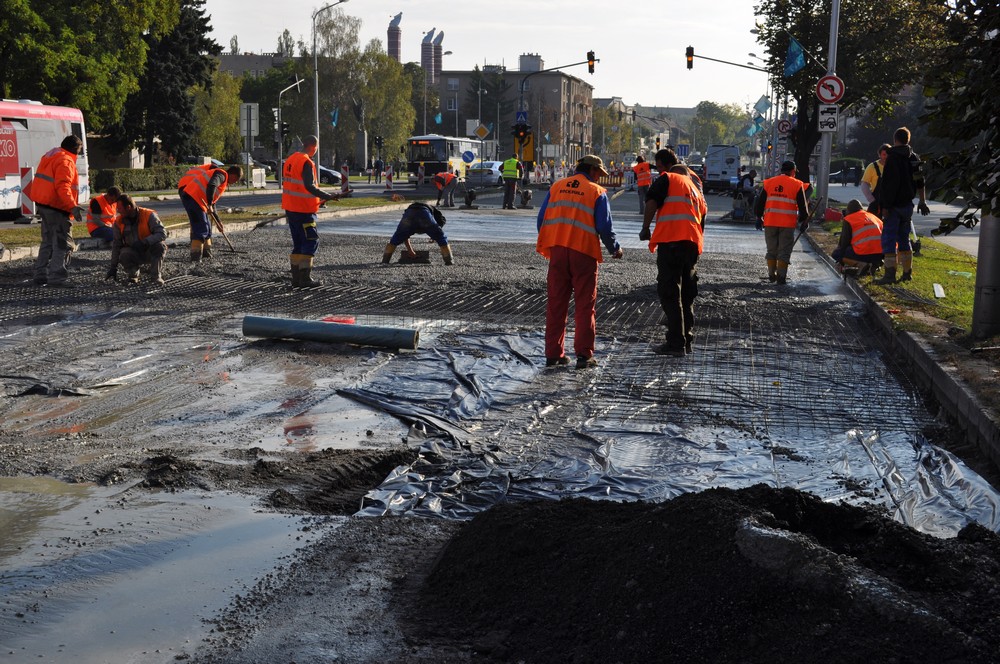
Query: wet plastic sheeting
point(556, 433)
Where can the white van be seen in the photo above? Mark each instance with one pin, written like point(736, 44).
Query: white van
point(722, 164)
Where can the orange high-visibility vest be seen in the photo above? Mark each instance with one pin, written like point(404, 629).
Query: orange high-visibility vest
point(679, 218)
point(569, 218)
point(144, 216)
point(443, 179)
point(191, 174)
point(294, 195)
point(56, 183)
point(781, 209)
point(109, 214)
point(643, 176)
point(197, 188)
point(866, 233)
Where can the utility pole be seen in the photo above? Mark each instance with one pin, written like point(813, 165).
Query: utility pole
point(826, 142)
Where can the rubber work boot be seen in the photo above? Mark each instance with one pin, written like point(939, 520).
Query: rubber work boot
point(446, 254)
point(387, 253)
point(906, 265)
point(296, 277)
point(890, 271)
point(206, 248)
point(772, 270)
point(781, 277)
point(305, 271)
point(196, 249)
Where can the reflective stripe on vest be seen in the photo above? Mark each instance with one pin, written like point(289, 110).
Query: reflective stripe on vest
point(679, 218)
point(44, 190)
point(866, 233)
point(781, 209)
point(643, 175)
point(109, 214)
point(569, 218)
point(294, 195)
point(193, 173)
point(198, 187)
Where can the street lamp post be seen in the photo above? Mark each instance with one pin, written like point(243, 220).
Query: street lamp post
point(316, 68)
point(426, 74)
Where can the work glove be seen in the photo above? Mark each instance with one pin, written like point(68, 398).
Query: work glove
point(78, 212)
point(112, 273)
point(644, 234)
point(924, 210)
point(759, 225)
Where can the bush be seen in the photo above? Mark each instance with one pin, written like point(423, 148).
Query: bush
point(129, 180)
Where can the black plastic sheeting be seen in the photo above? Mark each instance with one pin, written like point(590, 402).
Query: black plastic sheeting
point(493, 425)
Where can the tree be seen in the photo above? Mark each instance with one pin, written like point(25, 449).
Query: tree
point(234, 45)
point(263, 91)
point(717, 123)
point(80, 53)
point(286, 45)
point(385, 95)
point(338, 56)
point(873, 71)
point(163, 107)
point(497, 91)
point(960, 88)
point(216, 109)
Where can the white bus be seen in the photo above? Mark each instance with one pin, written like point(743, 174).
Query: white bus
point(29, 129)
point(438, 153)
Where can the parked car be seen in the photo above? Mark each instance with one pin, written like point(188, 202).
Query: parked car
point(329, 176)
point(847, 176)
point(484, 174)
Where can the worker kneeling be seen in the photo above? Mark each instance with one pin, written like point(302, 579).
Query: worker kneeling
point(860, 239)
point(419, 218)
point(139, 239)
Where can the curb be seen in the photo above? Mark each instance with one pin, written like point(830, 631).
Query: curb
point(979, 427)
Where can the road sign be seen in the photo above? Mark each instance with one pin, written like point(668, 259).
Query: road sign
point(830, 89)
point(828, 114)
point(784, 126)
point(522, 117)
point(249, 119)
point(468, 156)
point(683, 149)
point(482, 131)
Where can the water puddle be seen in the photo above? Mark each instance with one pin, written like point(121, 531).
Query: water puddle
point(92, 574)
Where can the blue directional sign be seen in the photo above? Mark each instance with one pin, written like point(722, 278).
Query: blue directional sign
point(683, 149)
point(468, 156)
point(522, 117)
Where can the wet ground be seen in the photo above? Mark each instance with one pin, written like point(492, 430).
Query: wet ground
point(170, 488)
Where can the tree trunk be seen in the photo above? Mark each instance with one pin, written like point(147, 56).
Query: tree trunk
point(986, 303)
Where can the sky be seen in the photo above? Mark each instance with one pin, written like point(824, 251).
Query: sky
point(640, 44)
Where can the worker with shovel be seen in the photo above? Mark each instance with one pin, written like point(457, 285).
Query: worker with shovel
point(300, 198)
point(199, 196)
point(139, 239)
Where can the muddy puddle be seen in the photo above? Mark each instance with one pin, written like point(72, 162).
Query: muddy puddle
point(96, 574)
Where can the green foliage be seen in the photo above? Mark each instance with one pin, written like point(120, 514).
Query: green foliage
point(216, 113)
point(385, 96)
point(961, 91)
point(81, 53)
point(881, 47)
point(717, 123)
point(155, 178)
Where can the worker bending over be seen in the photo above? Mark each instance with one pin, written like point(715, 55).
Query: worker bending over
point(419, 218)
point(201, 190)
point(139, 239)
point(860, 239)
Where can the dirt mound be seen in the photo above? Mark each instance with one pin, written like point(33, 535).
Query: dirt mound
point(751, 575)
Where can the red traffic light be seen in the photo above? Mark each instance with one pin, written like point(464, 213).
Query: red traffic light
point(689, 54)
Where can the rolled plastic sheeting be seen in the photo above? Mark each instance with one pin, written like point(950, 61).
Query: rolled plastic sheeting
point(314, 330)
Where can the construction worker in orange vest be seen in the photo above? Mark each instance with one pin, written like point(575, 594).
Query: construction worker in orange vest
point(300, 198)
point(55, 190)
point(780, 207)
point(860, 239)
point(140, 239)
point(643, 178)
point(446, 183)
point(678, 208)
point(573, 221)
point(102, 215)
point(419, 218)
point(199, 196)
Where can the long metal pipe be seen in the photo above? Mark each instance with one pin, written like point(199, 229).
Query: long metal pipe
point(314, 330)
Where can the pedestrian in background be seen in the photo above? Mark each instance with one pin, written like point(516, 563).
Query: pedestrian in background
point(371, 167)
point(643, 178)
point(419, 218)
point(574, 219)
point(379, 166)
point(201, 192)
point(901, 181)
point(780, 207)
point(512, 170)
point(102, 215)
point(869, 181)
point(300, 198)
point(139, 239)
point(55, 190)
point(678, 208)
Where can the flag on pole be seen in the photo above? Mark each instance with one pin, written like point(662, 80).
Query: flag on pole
point(548, 139)
point(334, 116)
point(437, 119)
point(762, 104)
point(795, 59)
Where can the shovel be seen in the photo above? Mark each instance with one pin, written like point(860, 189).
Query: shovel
point(218, 224)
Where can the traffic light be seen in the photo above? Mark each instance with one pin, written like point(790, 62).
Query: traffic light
point(284, 129)
point(769, 146)
point(520, 131)
point(657, 142)
point(379, 142)
point(590, 61)
point(690, 57)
